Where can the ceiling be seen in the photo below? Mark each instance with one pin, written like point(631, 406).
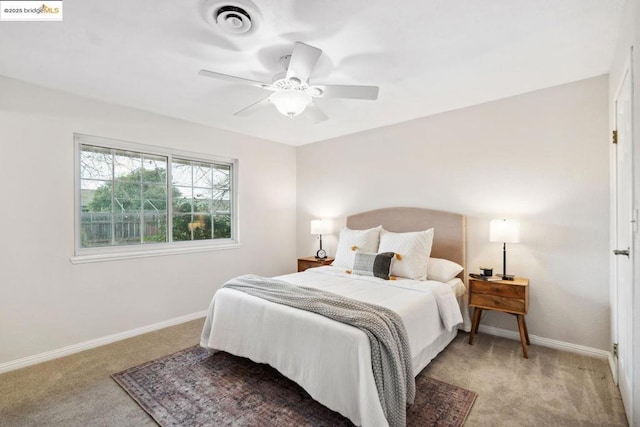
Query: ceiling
point(427, 56)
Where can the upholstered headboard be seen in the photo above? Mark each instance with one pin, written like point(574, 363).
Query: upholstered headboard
point(449, 228)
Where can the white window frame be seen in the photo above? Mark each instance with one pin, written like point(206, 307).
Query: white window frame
point(106, 253)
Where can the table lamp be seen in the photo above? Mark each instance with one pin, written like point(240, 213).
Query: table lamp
point(504, 231)
point(320, 227)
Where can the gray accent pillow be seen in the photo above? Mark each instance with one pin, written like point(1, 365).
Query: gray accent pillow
point(376, 265)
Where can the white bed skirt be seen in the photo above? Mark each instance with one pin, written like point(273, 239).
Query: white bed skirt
point(330, 360)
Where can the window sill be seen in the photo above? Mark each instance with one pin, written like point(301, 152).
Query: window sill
point(115, 256)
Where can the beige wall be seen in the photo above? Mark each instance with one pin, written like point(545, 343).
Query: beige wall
point(46, 302)
point(541, 158)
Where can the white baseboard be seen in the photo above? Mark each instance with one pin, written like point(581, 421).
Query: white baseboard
point(547, 342)
point(614, 368)
point(86, 345)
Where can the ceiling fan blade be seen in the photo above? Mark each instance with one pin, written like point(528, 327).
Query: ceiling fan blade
point(303, 60)
point(314, 113)
point(247, 111)
point(347, 91)
point(234, 79)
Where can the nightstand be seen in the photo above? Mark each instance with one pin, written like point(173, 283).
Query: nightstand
point(508, 296)
point(311, 262)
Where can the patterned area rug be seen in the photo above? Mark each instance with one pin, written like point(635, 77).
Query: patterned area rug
point(191, 388)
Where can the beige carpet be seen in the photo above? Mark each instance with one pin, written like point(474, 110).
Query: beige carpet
point(550, 388)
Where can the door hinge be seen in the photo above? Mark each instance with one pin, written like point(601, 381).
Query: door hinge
point(614, 137)
point(615, 349)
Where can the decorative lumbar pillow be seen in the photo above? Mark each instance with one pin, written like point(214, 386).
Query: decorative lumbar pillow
point(351, 241)
point(442, 270)
point(414, 249)
point(375, 265)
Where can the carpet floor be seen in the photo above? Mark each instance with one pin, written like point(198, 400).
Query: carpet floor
point(551, 388)
point(192, 388)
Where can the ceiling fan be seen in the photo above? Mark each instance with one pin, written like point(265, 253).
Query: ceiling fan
point(292, 92)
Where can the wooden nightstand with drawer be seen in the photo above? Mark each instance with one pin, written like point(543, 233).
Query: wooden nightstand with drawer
point(311, 262)
point(509, 296)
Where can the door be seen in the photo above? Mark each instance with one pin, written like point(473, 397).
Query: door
point(624, 228)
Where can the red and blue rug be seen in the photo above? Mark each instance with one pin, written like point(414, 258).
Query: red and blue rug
point(193, 388)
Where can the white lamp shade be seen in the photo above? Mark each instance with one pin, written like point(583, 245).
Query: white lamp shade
point(504, 231)
point(321, 226)
point(290, 102)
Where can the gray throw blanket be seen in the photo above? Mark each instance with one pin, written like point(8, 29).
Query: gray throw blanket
point(390, 354)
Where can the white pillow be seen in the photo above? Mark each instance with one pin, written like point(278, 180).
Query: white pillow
point(442, 270)
point(414, 249)
point(352, 240)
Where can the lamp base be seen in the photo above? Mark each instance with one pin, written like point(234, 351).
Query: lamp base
point(507, 276)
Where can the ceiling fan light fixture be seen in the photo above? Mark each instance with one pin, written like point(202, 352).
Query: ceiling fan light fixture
point(290, 102)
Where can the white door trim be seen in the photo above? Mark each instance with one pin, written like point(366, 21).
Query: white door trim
point(613, 295)
point(627, 73)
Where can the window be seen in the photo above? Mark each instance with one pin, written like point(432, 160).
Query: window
point(134, 198)
point(201, 205)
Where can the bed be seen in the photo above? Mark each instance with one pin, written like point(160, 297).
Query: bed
point(332, 360)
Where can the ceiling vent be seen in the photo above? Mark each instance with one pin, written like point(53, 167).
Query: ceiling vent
point(232, 17)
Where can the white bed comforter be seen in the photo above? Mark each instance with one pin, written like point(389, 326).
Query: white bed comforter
point(330, 360)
